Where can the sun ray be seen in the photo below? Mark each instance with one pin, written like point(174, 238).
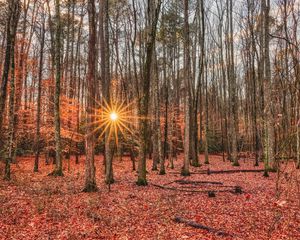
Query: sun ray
point(102, 133)
point(116, 133)
point(124, 126)
point(113, 118)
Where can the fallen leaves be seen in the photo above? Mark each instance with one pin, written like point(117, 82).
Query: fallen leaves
point(35, 206)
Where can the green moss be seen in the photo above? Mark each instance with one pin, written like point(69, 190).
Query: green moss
point(109, 181)
point(35, 169)
point(185, 172)
point(141, 182)
point(7, 169)
point(272, 169)
point(266, 174)
point(90, 187)
point(236, 164)
point(154, 168)
point(196, 164)
point(56, 173)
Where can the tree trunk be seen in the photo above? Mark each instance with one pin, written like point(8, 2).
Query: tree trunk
point(58, 166)
point(38, 114)
point(187, 105)
point(90, 170)
point(269, 109)
point(157, 148)
point(232, 90)
point(144, 100)
point(11, 29)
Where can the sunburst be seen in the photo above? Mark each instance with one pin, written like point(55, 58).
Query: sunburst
point(113, 118)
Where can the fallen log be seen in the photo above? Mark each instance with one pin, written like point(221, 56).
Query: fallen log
point(203, 227)
point(182, 181)
point(224, 171)
point(235, 171)
point(190, 190)
point(206, 186)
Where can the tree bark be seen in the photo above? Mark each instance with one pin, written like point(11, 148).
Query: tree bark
point(90, 169)
point(144, 100)
point(38, 113)
point(269, 159)
point(187, 98)
point(11, 30)
point(232, 89)
point(58, 171)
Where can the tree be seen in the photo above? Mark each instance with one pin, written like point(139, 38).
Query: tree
point(232, 88)
point(38, 112)
point(58, 166)
point(153, 9)
point(157, 148)
point(105, 56)
point(11, 30)
point(12, 23)
point(90, 178)
point(269, 158)
point(187, 86)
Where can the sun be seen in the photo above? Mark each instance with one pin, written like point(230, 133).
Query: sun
point(114, 118)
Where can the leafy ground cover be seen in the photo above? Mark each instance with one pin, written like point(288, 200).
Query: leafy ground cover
point(38, 206)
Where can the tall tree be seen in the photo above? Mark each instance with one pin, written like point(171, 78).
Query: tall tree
point(11, 128)
point(105, 57)
point(187, 87)
point(11, 30)
point(90, 170)
point(58, 48)
point(232, 88)
point(38, 112)
point(269, 157)
point(153, 10)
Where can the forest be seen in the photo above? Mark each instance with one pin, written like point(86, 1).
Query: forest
point(149, 119)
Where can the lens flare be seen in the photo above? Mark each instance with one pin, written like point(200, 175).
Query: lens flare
point(114, 118)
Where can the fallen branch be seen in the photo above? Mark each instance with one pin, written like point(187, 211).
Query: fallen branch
point(182, 181)
point(234, 171)
point(200, 226)
point(224, 171)
point(188, 190)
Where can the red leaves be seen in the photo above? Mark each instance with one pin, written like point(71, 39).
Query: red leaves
point(248, 196)
point(35, 206)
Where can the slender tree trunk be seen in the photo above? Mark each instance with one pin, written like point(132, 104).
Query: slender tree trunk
point(298, 126)
point(105, 73)
point(186, 166)
point(144, 100)
point(90, 170)
point(206, 161)
point(38, 114)
point(157, 156)
point(162, 156)
point(233, 91)
point(58, 166)
point(77, 77)
point(269, 157)
point(11, 29)
point(11, 129)
point(14, 13)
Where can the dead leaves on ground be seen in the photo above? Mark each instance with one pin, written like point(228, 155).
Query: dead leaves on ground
point(35, 206)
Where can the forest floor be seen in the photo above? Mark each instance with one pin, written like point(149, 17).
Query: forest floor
point(37, 206)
